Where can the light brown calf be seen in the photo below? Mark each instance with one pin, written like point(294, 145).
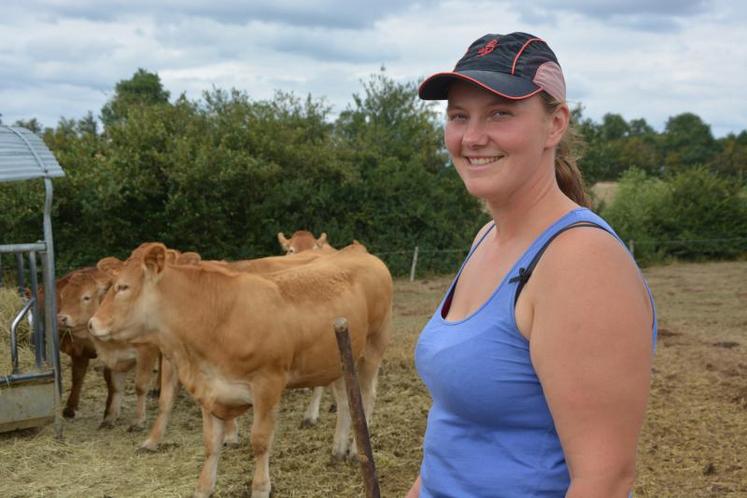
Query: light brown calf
point(303, 240)
point(79, 300)
point(78, 346)
point(239, 339)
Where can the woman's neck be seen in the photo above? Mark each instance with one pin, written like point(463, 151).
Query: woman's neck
point(528, 212)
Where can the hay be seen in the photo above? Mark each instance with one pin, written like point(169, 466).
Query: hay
point(10, 304)
point(693, 444)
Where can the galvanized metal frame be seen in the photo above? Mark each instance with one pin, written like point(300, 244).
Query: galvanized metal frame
point(47, 341)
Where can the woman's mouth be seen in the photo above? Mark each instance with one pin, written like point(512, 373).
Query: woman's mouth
point(482, 161)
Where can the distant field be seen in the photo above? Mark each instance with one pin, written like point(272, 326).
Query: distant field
point(694, 443)
point(604, 192)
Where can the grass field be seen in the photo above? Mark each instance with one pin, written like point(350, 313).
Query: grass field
point(694, 443)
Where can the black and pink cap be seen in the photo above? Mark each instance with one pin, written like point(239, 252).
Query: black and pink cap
point(515, 66)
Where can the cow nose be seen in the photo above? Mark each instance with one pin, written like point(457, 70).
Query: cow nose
point(90, 325)
point(63, 319)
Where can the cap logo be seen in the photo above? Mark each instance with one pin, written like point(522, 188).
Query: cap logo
point(488, 47)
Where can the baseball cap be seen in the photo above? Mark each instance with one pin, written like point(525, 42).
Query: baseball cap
point(515, 66)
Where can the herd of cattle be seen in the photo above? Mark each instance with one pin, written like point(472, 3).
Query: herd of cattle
point(234, 334)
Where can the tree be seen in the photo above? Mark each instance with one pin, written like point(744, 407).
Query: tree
point(687, 141)
point(143, 89)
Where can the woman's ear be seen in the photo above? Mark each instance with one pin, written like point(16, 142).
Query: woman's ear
point(558, 123)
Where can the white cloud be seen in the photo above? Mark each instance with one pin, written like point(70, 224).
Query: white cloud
point(639, 59)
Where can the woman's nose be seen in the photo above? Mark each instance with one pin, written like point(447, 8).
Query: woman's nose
point(474, 135)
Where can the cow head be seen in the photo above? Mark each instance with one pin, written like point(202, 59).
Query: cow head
point(80, 297)
point(302, 240)
point(125, 312)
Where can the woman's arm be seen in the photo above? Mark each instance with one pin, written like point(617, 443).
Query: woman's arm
point(590, 343)
point(415, 489)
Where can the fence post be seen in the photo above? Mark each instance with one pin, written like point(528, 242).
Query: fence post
point(631, 247)
point(414, 263)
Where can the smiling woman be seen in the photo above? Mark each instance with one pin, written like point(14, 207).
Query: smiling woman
point(526, 374)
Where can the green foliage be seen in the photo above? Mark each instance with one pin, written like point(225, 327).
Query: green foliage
point(224, 174)
point(692, 215)
point(143, 89)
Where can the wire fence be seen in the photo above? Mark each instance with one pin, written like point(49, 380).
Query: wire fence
point(418, 262)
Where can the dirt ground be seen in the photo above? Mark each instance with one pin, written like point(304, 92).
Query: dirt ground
point(694, 443)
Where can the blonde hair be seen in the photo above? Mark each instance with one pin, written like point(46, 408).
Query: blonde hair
point(568, 151)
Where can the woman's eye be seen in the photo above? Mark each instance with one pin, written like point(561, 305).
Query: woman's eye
point(457, 116)
point(499, 114)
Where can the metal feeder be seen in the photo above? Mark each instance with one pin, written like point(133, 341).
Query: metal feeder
point(32, 398)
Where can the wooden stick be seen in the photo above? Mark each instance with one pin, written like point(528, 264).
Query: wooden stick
point(362, 440)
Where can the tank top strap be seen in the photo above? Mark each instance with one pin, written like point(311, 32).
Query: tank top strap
point(526, 271)
point(582, 217)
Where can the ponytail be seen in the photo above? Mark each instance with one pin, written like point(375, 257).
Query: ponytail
point(569, 177)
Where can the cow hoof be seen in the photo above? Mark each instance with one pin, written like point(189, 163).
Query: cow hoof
point(202, 494)
point(333, 408)
point(106, 424)
point(308, 422)
point(136, 427)
point(260, 493)
point(154, 393)
point(231, 444)
point(68, 412)
point(146, 449)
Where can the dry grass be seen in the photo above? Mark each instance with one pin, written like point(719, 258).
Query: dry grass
point(694, 441)
point(10, 304)
point(604, 192)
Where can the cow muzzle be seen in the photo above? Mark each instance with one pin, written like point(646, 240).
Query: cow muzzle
point(98, 331)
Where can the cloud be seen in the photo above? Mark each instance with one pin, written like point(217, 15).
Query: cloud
point(642, 15)
point(334, 14)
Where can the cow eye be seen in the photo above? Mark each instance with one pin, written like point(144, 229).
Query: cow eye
point(86, 298)
point(122, 287)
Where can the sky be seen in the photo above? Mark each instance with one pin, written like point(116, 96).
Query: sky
point(649, 59)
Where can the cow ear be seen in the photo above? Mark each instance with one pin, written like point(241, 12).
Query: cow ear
point(154, 258)
point(188, 258)
point(172, 256)
point(284, 243)
point(110, 265)
point(321, 240)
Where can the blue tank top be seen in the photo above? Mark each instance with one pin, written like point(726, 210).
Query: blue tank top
point(490, 432)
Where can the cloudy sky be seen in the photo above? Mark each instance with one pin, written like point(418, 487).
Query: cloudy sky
point(639, 58)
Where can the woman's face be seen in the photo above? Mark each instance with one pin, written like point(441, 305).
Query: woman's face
point(497, 145)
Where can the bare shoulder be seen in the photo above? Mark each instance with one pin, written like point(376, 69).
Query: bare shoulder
point(586, 272)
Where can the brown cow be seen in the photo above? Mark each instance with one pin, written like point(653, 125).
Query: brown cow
point(77, 345)
point(303, 240)
point(119, 355)
point(79, 300)
point(239, 339)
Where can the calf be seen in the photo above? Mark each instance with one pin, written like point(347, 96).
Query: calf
point(239, 339)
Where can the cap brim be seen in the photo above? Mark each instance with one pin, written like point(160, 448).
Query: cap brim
point(436, 87)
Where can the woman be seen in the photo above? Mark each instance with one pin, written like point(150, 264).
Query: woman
point(538, 359)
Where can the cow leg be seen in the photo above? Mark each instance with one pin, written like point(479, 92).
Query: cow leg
point(266, 399)
point(369, 364)
point(341, 448)
point(311, 415)
point(367, 369)
point(80, 367)
point(146, 360)
point(231, 435)
point(169, 388)
point(115, 384)
point(212, 437)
